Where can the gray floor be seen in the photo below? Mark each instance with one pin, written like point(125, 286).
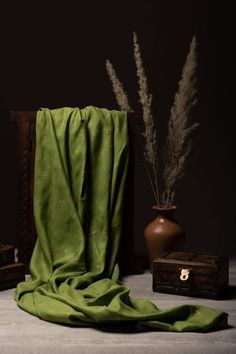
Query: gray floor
point(21, 333)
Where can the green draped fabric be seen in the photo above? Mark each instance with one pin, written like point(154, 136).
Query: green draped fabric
point(80, 171)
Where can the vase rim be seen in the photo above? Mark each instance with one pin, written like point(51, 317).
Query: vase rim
point(163, 208)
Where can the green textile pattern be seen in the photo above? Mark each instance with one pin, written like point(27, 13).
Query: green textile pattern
point(80, 172)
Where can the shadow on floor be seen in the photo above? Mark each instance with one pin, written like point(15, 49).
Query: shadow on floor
point(229, 293)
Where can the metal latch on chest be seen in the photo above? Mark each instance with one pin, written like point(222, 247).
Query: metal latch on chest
point(184, 274)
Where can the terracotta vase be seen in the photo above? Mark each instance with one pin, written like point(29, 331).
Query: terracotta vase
point(163, 234)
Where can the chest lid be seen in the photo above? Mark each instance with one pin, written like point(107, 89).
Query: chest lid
point(197, 262)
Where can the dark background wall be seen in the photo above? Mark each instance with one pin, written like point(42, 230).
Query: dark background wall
point(55, 57)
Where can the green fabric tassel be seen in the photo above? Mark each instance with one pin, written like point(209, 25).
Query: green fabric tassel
point(80, 171)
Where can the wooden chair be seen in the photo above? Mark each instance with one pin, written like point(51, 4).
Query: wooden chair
point(27, 235)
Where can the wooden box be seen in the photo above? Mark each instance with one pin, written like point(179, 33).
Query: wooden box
point(6, 254)
point(11, 275)
point(191, 274)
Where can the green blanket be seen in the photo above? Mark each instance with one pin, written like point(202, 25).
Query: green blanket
point(80, 171)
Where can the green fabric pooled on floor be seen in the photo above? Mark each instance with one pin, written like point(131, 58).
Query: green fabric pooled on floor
point(80, 172)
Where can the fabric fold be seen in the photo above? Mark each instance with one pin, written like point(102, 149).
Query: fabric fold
point(81, 165)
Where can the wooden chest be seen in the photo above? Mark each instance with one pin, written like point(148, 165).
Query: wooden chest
point(191, 274)
point(11, 275)
point(6, 254)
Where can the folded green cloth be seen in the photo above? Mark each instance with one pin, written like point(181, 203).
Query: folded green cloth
point(80, 171)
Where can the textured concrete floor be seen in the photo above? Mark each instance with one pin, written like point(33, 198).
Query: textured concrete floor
point(21, 333)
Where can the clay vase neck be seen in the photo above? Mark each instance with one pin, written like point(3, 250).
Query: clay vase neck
point(163, 234)
point(167, 212)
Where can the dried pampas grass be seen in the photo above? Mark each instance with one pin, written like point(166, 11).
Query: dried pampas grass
point(118, 89)
point(178, 142)
point(150, 136)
